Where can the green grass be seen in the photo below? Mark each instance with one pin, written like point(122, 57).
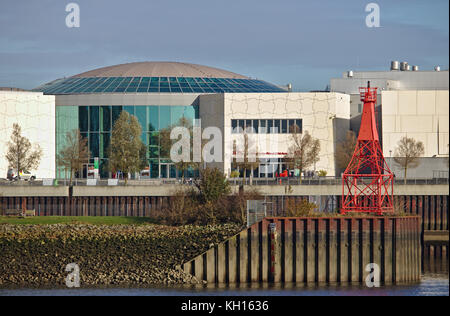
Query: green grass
point(93, 220)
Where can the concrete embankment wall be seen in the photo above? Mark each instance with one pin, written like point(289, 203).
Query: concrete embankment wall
point(435, 257)
point(315, 250)
point(433, 209)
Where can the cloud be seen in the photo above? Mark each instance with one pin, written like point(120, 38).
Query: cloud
point(277, 41)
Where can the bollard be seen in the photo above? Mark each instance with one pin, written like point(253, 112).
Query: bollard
point(272, 233)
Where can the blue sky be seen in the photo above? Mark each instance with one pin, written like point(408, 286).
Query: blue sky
point(285, 41)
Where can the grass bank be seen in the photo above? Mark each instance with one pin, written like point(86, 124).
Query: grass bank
point(92, 220)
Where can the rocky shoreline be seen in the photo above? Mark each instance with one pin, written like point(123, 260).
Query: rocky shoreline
point(107, 255)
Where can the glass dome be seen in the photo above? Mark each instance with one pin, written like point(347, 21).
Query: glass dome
point(157, 77)
point(75, 85)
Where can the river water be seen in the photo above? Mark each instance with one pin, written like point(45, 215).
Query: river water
point(432, 284)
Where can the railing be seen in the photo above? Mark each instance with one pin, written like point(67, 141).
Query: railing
point(232, 181)
point(328, 181)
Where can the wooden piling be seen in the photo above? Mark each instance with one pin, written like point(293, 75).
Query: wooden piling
point(315, 250)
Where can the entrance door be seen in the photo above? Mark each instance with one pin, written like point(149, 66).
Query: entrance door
point(163, 174)
point(84, 171)
point(167, 170)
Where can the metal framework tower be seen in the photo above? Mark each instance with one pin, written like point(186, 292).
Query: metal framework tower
point(367, 183)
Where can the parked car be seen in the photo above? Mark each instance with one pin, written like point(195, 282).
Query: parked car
point(11, 175)
point(145, 174)
point(23, 175)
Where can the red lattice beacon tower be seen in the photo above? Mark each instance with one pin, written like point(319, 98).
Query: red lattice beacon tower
point(367, 183)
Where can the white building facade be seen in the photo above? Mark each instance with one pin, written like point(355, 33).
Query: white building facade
point(270, 115)
point(410, 104)
point(35, 114)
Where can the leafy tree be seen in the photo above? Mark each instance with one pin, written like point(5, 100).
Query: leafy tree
point(345, 149)
point(20, 153)
point(74, 154)
point(407, 154)
point(304, 151)
point(126, 147)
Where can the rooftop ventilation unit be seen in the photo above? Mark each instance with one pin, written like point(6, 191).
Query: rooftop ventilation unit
point(403, 66)
point(437, 68)
point(395, 65)
point(415, 68)
point(350, 74)
point(289, 87)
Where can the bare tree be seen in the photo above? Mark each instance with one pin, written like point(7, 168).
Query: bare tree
point(74, 154)
point(246, 157)
point(407, 154)
point(20, 153)
point(166, 143)
point(126, 149)
point(345, 149)
point(304, 151)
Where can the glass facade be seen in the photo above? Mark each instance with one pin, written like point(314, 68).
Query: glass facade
point(96, 123)
point(76, 85)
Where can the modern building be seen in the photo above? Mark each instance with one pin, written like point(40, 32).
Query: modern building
point(159, 94)
point(411, 102)
point(35, 114)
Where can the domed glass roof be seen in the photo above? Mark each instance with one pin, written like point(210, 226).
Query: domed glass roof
point(157, 77)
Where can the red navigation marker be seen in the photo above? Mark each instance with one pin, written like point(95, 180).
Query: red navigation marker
point(367, 183)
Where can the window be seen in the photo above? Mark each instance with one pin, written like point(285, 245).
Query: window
point(255, 126)
point(270, 126)
point(284, 128)
point(359, 108)
point(248, 126)
point(129, 109)
point(141, 113)
point(177, 114)
point(276, 126)
point(116, 110)
point(104, 144)
point(233, 126)
point(153, 118)
point(94, 125)
point(94, 144)
point(164, 117)
point(263, 126)
point(105, 116)
point(83, 118)
point(291, 126)
point(241, 125)
point(299, 126)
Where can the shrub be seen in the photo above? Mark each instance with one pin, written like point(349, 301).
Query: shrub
point(234, 174)
point(212, 185)
point(322, 173)
point(208, 204)
point(296, 209)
